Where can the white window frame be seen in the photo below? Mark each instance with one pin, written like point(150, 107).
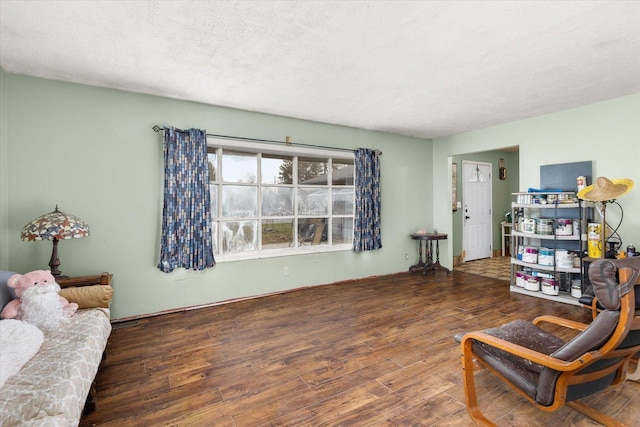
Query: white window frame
point(263, 148)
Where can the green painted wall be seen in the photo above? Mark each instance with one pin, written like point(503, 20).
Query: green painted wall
point(4, 162)
point(607, 133)
point(92, 151)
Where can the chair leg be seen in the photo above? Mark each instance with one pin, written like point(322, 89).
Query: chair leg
point(468, 366)
point(603, 419)
point(634, 376)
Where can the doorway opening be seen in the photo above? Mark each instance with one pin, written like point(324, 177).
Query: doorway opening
point(501, 198)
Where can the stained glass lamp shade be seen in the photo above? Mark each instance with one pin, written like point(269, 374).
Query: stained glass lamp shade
point(55, 226)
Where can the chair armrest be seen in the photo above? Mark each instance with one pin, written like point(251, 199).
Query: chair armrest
point(560, 321)
point(100, 279)
point(525, 353)
point(594, 308)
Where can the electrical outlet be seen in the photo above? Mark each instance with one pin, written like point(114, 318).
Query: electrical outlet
point(286, 271)
point(406, 256)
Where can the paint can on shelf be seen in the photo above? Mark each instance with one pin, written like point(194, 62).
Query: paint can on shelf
point(564, 227)
point(564, 259)
point(576, 288)
point(531, 283)
point(530, 254)
point(545, 256)
point(520, 279)
point(550, 286)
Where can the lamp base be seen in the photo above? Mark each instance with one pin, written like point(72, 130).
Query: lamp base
point(54, 262)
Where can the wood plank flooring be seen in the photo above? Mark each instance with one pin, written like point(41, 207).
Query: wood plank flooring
point(498, 267)
point(374, 352)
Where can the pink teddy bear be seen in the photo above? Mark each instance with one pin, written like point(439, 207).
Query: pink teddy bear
point(13, 310)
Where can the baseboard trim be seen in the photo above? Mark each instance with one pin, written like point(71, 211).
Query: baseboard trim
point(229, 301)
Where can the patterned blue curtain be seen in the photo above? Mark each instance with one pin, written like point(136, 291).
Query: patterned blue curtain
point(366, 230)
point(186, 214)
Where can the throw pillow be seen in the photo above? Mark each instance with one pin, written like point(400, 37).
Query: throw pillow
point(88, 296)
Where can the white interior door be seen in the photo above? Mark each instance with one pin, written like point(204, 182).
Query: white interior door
point(477, 202)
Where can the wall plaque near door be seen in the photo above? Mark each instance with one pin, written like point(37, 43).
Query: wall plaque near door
point(502, 169)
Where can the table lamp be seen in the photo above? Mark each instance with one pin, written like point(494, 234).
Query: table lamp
point(55, 226)
point(605, 191)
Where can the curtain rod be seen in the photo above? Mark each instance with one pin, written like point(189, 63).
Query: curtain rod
point(157, 128)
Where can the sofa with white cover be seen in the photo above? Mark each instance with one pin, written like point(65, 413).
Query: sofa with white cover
point(55, 382)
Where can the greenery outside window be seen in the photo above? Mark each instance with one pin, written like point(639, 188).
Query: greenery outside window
point(274, 201)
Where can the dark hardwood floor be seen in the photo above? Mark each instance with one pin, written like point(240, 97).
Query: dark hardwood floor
point(375, 352)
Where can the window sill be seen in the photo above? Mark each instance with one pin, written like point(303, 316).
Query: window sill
point(273, 253)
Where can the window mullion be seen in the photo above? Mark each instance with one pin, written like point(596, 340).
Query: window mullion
point(259, 202)
point(219, 196)
point(294, 174)
point(330, 201)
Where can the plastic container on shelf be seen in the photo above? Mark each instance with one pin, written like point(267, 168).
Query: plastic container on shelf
point(545, 226)
point(529, 225)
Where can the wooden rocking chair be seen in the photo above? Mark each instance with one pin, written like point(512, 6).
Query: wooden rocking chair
point(590, 301)
point(550, 372)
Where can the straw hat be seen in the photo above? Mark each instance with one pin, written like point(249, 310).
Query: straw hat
point(606, 189)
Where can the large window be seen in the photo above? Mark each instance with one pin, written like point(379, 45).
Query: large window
point(279, 201)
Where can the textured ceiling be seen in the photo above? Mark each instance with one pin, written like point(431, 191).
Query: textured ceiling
point(418, 68)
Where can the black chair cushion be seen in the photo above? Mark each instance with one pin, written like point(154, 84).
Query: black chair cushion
point(521, 372)
point(590, 339)
point(602, 274)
